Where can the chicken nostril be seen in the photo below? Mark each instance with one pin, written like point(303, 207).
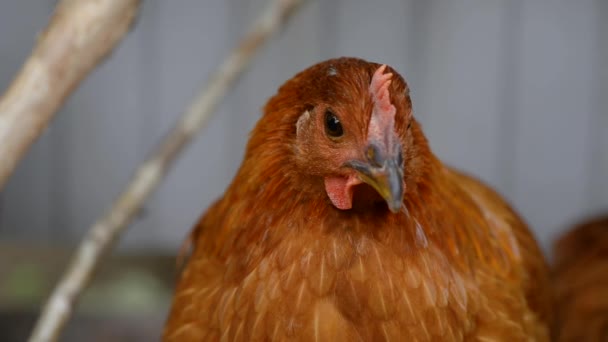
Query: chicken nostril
point(373, 155)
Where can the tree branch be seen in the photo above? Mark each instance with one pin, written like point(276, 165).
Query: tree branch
point(106, 230)
point(79, 36)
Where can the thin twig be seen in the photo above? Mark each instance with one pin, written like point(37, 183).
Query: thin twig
point(79, 36)
point(105, 231)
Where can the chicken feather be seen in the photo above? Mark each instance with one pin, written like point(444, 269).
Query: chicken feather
point(276, 259)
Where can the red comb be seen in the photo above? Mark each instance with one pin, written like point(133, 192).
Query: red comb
point(379, 89)
point(383, 115)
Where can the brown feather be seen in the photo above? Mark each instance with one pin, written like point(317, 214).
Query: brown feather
point(274, 260)
point(581, 282)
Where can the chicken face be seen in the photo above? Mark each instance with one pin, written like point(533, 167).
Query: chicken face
point(347, 132)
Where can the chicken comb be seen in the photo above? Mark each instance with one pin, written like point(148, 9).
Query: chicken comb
point(382, 120)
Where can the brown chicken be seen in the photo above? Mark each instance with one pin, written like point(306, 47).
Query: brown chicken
point(341, 225)
point(581, 283)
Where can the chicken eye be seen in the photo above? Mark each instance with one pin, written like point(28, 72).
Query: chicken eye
point(333, 127)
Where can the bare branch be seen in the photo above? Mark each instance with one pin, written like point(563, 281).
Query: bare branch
point(106, 230)
point(79, 36)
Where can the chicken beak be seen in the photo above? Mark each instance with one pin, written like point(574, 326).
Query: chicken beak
point(386, 179)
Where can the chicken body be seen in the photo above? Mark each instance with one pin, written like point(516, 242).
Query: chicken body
point(581, 282)
point(301, 247)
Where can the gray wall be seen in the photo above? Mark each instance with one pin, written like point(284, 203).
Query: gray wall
point(513, 91)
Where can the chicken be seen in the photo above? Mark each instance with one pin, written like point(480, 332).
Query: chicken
point(581, 282)
point(341, 225)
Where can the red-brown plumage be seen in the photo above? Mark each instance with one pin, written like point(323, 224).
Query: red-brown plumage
point(581, 282)
point(275, 259)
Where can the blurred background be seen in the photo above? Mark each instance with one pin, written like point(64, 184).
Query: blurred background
point(513, 91)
